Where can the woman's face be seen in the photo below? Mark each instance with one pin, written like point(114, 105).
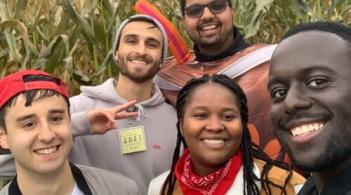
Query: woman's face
point(211, 127)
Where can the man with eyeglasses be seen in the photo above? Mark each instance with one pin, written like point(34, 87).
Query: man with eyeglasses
point(219, 47)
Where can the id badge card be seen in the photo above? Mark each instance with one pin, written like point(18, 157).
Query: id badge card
point(132, 139)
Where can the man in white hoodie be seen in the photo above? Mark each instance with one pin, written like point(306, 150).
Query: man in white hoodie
point(140, 148)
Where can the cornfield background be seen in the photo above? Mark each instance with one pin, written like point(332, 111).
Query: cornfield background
point(72, 38)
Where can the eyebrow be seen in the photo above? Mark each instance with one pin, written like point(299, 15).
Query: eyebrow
point(57, 111)
point(53, 111)
point(225, 109)
point(136, 36)
point(154, 40)
point(25, 117)
point(306, 71)
point(150, 27)
point(272, 82)
point(130, 36)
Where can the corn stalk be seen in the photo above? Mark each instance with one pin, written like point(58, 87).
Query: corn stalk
point(72, 38)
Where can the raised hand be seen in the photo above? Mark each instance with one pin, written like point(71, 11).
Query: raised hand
point(102, 120)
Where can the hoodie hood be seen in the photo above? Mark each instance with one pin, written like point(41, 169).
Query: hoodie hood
point(104, 93)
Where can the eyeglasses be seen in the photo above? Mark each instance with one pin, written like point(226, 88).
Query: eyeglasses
point(196, 10)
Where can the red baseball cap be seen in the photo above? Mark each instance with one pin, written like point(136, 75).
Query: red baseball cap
point(14, 84)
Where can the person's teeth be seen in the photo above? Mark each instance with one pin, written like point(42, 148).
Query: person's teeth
point(139, 61)
point(46, 151)
point(315, 126)
point(306, 129)
point(209, 27)
point(213, 141)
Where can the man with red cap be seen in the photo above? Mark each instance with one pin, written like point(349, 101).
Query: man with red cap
point(35, 126)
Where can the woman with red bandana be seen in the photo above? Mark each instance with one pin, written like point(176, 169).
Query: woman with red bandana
point(218, 156)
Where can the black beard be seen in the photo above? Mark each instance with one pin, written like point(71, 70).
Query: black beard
point(337, 151)
point(137, 78)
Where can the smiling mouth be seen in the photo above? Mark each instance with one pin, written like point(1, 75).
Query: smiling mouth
point(213, 141)
point(142, 62)
point(306, 129)
point(47, 151)
point(209, 26)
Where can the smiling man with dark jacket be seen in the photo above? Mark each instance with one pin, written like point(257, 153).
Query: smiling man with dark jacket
point(309, 83)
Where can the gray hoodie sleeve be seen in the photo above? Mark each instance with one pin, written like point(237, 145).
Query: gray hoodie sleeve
point(7, 166)
point(80, 104)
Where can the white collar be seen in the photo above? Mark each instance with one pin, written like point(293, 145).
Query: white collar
point(238, 185)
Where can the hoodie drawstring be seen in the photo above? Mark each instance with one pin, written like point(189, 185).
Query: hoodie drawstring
point(141, 112)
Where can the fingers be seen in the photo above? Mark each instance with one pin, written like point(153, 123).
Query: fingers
point(124, 106)
point(120, 111)
point(100, 120)
point(112, 125)
point(111, 114)
point(100, 115)
point(124, 115)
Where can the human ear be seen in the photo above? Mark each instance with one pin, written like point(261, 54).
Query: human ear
point(183, 20)
point(3, 139)
point(115, 57)
point(181, 129)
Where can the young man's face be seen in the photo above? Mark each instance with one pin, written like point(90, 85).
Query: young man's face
point(209, 29)
point(310, 91)
point(39, 135)
point(139, 51)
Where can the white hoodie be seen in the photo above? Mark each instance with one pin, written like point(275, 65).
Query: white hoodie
point(156, 116)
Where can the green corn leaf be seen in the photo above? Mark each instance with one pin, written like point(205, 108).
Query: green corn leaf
point(47, 54)
point(81, 22)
